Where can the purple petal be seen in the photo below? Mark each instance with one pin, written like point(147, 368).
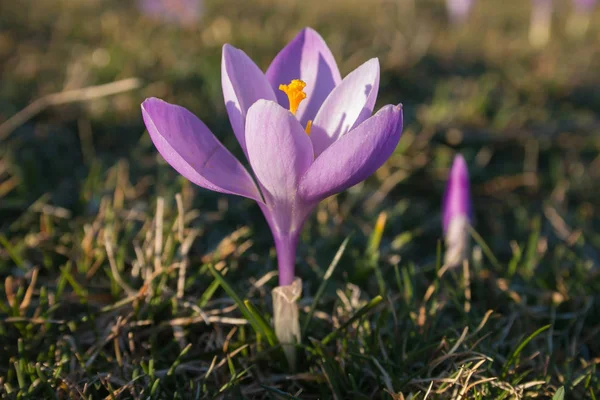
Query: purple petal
point(279, 152)
point(243, 84)
point(545, 6)
point(191, 148)
point(180, 11)
point(349, 104)
point(459, 9)
point(354, 156)
point(457, 198)
point(307, 57)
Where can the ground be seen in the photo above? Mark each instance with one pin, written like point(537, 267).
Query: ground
point(123, 280)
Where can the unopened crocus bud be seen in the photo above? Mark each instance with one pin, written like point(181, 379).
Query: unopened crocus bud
point(540, 23)
point(459, 10)
point(182, 12)
point(457, 213)
point(584, 5)
point(579, 21)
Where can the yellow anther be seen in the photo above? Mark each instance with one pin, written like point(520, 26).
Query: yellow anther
point(295, 93)
point(308, 126)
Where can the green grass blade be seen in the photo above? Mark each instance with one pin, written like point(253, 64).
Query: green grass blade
point(12, 252)
point(514, 262)
point(438, 256)
point(243, 309)
point(324, 282)
point(264, 326)
point(529, 263)
point(373, 303)
point(372, 253)
point(235, 378)
point(177, 361)
point(408, 286)
point(279, 393)
point(66, 273)
point(377, 234)
point(515, 354)
point(333, 375)
point(486, 249)
point(560, 394)
point(208, 293)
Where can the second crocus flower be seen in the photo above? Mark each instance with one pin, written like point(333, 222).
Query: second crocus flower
point(459, 10)
point(181, 12)
point(579, 20)
point(540, 23)
point(457, 213)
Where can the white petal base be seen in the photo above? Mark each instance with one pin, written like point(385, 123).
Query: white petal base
point(286, 319)
point(457, 241)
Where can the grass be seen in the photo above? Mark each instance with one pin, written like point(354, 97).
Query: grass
point(122, 280)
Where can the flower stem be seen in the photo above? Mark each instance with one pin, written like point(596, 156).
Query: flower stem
point(286, 319)
point(286, 244)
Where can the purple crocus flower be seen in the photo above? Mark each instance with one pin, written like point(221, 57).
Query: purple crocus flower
point(579, 21)
point(540, 22)
point(300, 151)
point(457, 213)
point(584, 6)
point(182, 12)
point(459, 10)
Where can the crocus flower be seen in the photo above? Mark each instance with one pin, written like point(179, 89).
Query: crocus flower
point(540, 23)
point(459, 10)
point(579, 21)
point(457, 213)
point(181, 12)
point(307, 134)
point(584, 6)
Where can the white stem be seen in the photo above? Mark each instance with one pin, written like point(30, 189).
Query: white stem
point(286, 319)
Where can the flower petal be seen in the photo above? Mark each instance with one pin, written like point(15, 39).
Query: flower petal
point(243, 84)
point(349, 104)
point(191, 148)
point(457, 197)
point(353, 157)
point(280, 152)
point(308, 58)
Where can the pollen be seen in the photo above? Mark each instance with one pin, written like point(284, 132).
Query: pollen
point(308, 126)
point(295, 93)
